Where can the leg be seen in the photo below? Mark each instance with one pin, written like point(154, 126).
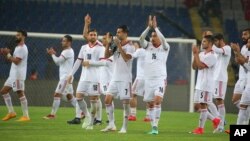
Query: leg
point(110, 113)
point(24, 105)
point(7, 99)
point(126, 109)
point(93, 109)
point(133, 105)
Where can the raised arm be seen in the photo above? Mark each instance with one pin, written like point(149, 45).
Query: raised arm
point(87, 22)
point(164, 43)
point(223, 50)
point(197, 64)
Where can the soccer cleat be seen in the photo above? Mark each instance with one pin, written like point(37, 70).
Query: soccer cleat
point(218, 130)
point(90, 127)
point(216, 122)
point(122, 131)
point(9, 116)
point(86, 122)
point(97, 122)
point(74, 121)
point(154, 131)
point(227, 131)
point(131, 118)
point(50, 116)
point(23, 118)
point(198, 131)
point(146, 119)
point(109, 128)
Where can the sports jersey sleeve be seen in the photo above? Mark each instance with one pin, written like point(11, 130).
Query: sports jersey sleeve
point(165, 44)
point(138, 53)
point(59, 59)
point(20, 53)
point(77, 62)
point(142, 40)
point(209, 60)
point(226, 50)
point(80, 55)
point(130, 50)
point(101, 52)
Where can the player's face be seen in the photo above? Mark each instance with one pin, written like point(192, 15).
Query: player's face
point(155, 39)
point(136, 44)
point(65, 43)
point(120, 34)
point(217, 42)
point(19, 37)
point(92, 37)
point(248, 43)
point(245, 36)
point(205, 43)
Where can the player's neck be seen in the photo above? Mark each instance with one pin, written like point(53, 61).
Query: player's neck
point(124, 42)
point(21, 43)
point(92, 44)
point(156, 45)
point(67, 47)
point(209, 49)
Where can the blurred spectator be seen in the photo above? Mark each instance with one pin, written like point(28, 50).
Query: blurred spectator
point(33, 75)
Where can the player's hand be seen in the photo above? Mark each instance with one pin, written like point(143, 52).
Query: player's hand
point(5, 51)
point(150, 22)
point(70, 79)
point(108, 38)
point(85, 63)
point(51, 51)
point(235, 47)
point(87, 19)
point(154, 22)
point(241, 60)
point(195, 49)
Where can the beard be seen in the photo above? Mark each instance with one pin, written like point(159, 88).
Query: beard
point(18, 40)
point(244, 42)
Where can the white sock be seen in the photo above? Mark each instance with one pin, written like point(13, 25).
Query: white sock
point(210, 116)
point(152, 116)
point(242, 116)
point(237, 104)
point(133, 111)
point(213, 109)
point(93, 109)
point(126, 108)
point(157, 114)
point(83, 106)
point(248, 115)
point(7, 100)
point(222, 111)
point(99, 110)
point(203, 118)
point(147, 113)
point(73, 101)
point(78, 111)
point(110, 114)
point(55, 105)
point(24, 105)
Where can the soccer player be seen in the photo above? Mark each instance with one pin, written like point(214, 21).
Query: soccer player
point(155, 73)
point(223, 54)
point(244, 112)
point(17, 77)
point(65, 62)
point(138, 85)
point(205, 63)
point(120, 85)
point(88, 85)
point(241, 82)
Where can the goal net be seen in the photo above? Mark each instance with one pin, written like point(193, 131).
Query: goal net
point(43, 74)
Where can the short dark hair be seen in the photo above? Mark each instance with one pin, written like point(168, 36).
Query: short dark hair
point(218, 36)
point(92, 30)
point(69, 38)
point(210, 38)
point(124, 28)
point(246, 29)
point(23, 32)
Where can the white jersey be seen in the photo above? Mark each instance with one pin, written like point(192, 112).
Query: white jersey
point(156, 62)
point(220, 70)
point(242, 72)
point(205, 81)
point(105, 71)
point(140, 54)
point(123, 70)
point(246, 68)
point(67, 64)
point(18, 72)
point(93, 54)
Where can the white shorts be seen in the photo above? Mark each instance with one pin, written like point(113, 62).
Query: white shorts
point(220, 89)
point(240, 86)
point(64, 88)
point(154, 88)
point(138, 87)
point(245, 98)
point(120, 89)
point(203, 96)
point(88, 88)
point(16, 85)
point(104, 88)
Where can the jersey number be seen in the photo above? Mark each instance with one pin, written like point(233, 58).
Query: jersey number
point(153, 56)
point(105, 88)
point(89, 56)
point(126, 91)
point(161, 89)
point(95, 87)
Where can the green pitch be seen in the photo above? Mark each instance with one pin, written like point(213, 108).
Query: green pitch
point(173, 126)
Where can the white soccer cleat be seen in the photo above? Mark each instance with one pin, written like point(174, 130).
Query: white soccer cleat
point(90, 127)
point(109, 128)
point(122, 131)
point(86, 122)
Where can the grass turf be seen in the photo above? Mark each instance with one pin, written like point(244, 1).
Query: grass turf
point(173, 126)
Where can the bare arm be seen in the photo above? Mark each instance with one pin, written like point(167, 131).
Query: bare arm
point(15, 60)
point(87, 22)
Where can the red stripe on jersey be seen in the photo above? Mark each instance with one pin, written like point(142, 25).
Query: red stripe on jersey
point(220, 88)
point(205, 96)
point(106, 59)
point(17, 84)
point(63, 57)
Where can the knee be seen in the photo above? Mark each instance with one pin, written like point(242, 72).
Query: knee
point(108, 99)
